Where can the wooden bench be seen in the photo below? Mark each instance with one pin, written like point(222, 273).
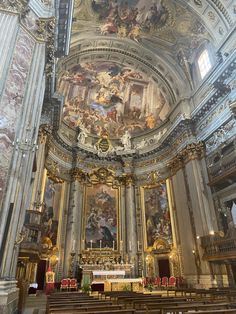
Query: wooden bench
point(126, 311)
point(194, 307)
point(210, 312)
point(85, 309)
point(142, 303)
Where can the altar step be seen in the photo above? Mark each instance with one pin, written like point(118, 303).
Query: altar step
point(35, 304)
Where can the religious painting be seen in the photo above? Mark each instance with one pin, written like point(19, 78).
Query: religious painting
point(142, 21)
point(156, 215)
point(107, 97)
point(130, 18)
point(50, 218)
point(101, 217)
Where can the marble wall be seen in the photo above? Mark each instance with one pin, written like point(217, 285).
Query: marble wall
point(12, 101)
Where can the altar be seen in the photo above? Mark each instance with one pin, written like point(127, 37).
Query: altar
point(99, 277)
point(129, 284)
point(102, 275)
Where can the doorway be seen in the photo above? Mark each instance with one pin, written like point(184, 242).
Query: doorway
point(164, 268)
point(40, 277)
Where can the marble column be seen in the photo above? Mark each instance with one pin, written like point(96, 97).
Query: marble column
point(184, 222)
point(203, 214)
point(74, 223)
point(40, 176)
point(131, 228)
point(23, 157)
point(175, 259)
point(123, 229)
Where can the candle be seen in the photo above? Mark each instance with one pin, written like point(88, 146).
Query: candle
point(100, 244)
point(113, 245)
point(82, 244)
point(138, 246)
point(73, 245)
point(121, 245)
point(130, 248)
point(91, 244)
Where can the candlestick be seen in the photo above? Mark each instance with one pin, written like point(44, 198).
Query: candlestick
point(91, 244)
point(113, 245)
point(100, 244)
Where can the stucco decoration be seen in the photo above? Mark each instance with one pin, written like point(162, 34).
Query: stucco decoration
point(105, 96)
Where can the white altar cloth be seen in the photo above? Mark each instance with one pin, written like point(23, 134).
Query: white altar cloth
point(108, 273)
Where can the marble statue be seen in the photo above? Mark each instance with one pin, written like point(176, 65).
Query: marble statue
point(82, 135)
point(126, 140)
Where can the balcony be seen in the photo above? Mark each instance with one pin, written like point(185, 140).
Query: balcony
point(222, 165)
point(218, 248)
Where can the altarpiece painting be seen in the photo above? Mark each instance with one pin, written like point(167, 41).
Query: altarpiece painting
point(101, 217)
point(156, 215)
point(52, 200)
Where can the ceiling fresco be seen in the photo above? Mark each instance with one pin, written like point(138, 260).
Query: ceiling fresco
point(148, 22)
point(106, 96)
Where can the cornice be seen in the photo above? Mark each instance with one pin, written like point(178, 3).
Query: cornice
point(190, 152)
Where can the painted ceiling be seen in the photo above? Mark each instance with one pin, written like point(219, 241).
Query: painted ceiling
point(105, 96)
point(130, 61)
point(148, 22)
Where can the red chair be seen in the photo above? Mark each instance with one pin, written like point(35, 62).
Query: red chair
point(172, 281)
point(157, 281)
point(164, 282)
point(65, 284)
point(73, 284)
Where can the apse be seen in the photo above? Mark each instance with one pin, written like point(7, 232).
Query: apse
point(106, 96)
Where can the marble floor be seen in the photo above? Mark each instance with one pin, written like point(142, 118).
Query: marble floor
point(35, 304)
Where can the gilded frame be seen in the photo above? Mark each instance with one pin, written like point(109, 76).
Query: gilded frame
point(159, 241)
point(95, 186)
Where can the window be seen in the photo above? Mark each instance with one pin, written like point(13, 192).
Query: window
point(204, 63)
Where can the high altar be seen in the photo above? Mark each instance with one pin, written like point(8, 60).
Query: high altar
point(113, 240)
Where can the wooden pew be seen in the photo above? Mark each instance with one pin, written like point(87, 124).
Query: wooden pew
point(114, 294)
point(84, 309)
point(223, 311)
point(78, 304)
point(194, 307)
point(122, 311)
point(138, 304)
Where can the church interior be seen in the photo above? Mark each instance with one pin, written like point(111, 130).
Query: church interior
point(118, 146)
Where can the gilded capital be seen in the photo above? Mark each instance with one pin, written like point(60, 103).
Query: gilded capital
point(190, 152)
point(16, 6)
point(127, 179)
point(194, 151)
point(44, 131)
point(77, 174)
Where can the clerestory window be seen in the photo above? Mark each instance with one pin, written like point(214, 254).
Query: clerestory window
point(204, 63)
